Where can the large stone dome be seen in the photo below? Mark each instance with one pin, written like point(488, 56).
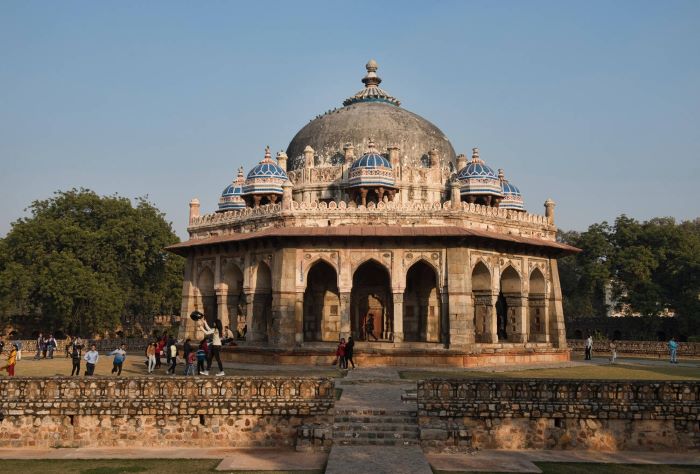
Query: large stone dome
point(369, 114)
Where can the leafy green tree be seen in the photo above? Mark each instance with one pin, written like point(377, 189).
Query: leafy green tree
point(84, 263)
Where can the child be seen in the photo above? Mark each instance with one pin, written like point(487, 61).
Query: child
point(201, 357)
point(119, 357)
point(11, 361)
point(191, 359)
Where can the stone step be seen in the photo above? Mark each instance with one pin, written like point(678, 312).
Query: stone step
point(340, 435)
point(377, 428)
point(374, 412)
point(398, 420)
point(376, 442)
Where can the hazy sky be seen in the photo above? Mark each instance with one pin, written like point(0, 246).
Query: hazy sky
point(594, 104)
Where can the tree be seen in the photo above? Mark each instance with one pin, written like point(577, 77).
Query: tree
point(83, 263)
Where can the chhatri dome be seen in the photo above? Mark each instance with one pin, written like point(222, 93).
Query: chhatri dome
point(371, 112)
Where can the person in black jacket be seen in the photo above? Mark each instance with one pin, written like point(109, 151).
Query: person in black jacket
point(349, 348)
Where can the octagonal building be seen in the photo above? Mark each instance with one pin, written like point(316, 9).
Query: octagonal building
point(370, 226)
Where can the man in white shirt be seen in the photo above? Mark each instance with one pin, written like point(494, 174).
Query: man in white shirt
point(91, 357)
point(589, 347)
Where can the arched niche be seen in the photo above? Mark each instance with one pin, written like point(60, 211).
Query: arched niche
point(321, 303)
point(371, 298)
point(261, 320)
point(508, 321)
point(421, 304)
point(232, 283)
point(482, 295)
point(537, 307)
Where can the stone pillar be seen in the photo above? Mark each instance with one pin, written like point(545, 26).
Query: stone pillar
point(349, 151)
point(189, 301)
point(222, 305)
point(557, 331)
point(434, 155)
point(344, 312)
point(461, 161)
point(460, 313)
point(517, 318)
point(194, 209)
point(287, 189)
point(486, 318)
point(299, 319)
point(308, 157)
point(393, 152)
point(282, 160)
point(537, 304)
point(455, 197)
point(253, 334)
point(549, 211)
point(363, 194)
point(398, 316)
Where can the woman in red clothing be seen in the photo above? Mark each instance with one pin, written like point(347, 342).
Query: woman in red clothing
point(340, 355)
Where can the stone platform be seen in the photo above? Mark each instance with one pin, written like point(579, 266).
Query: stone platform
point(383, 354)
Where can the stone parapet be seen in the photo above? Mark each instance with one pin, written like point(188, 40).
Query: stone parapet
point(311, 213)
point(638, 348)
point(544, 414)
point(178, 411)
point(132, 344)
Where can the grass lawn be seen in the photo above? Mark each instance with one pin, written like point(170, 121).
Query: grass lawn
point(620, 371)
point(597, 468)
point(134, 366)
point(119, 466)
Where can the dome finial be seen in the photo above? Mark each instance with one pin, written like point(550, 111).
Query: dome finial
point(371, 145)
point(267, 152)
point(475, 155)
point(501, 174)
point(371, 92)
point(371, 79)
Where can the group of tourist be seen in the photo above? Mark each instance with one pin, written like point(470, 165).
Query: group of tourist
point(45, 346)
point(612, 346)
point(344, 353)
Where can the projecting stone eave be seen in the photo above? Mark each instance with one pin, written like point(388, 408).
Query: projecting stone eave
point(556, 249)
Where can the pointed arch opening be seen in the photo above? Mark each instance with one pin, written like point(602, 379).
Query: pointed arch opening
point(371, 303)
point(321, 303)
point(262, 304)
point(483, 305)
point(539, 324)
point(508, 314)
point(205, 285)
point(232, 283)
point(421, 304)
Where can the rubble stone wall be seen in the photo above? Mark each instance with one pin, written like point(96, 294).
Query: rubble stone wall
point(177, 411)
point(653, 349)
point(559, 414)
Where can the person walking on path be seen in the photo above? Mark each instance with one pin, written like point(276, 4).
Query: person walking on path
point(369, 328)
point(340, 354)
point(91, 357)
point(349, 349)
point(613, 351)
point(11, 362)
point(190, 360)
point(151, 356)
point(172, 356)
point(76, 355)
point(67, 346)
point(51, 346)
point(39, 343)
point(673, 350)
point(589, 347)
point(215, 347)
point(119, 358)
point(18, 345)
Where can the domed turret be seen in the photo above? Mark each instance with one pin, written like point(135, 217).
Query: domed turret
point(371, 172)
point(264, 182)
point(512, 198)
point(232, 197)
point(479, 182)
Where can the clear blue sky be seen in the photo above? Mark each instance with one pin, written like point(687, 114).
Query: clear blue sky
point(594, 104)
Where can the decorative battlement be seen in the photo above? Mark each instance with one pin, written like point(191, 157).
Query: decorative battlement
point(324, 210)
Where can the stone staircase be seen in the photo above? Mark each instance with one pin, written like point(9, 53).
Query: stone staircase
point(369, 427)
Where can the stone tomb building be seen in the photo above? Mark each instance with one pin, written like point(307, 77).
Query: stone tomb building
point(370, 225)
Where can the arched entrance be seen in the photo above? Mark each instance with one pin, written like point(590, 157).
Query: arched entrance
point(537, 307)
point(261, 329)
point(205, 285)
point(421, 304)
point(371, 299)
point(232, 284)
point(483, 303)
point(321, 302)
point(509, 308)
